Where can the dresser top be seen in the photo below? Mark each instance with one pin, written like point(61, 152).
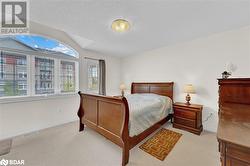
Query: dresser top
point(234, 124)
point(197, 106)
point(234, 81)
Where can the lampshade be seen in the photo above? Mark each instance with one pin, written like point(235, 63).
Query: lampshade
point(122, 87)
point(189, 88)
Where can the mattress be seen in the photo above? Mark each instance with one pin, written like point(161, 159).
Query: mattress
point(145, 110)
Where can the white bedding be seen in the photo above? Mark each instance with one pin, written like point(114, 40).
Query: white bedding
point(145, 110)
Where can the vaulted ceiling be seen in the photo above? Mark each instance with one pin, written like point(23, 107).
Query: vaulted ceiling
point(154, 23)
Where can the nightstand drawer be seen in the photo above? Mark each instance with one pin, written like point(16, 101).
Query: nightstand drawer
point(185, 114)
point(183, 121)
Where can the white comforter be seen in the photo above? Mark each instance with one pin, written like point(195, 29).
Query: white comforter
point(145, 110)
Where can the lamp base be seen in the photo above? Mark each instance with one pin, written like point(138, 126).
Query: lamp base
point(188, 98)
point(122, 93)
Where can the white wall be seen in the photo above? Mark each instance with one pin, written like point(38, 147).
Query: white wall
point(27, 116)
point(24, 117)
point(199, 62)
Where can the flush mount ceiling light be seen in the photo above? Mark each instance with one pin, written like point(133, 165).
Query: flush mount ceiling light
point(120, 25)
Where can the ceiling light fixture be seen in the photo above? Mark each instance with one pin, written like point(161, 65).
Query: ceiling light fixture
point(120, 25)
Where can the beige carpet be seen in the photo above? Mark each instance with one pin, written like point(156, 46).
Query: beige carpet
point(65, 146)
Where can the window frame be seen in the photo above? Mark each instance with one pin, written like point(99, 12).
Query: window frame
point(76, 76)
point(33, 75)
point(30, 66)
point(96, 62)
point(27, 62)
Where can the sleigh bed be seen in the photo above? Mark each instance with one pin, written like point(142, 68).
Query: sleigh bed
point(109, 116)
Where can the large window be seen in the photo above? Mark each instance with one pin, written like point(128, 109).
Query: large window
point(67, 76)
point(48, 68)
point(93, 76)
point(13, 74)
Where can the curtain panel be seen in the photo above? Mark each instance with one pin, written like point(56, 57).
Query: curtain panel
point(102, 77)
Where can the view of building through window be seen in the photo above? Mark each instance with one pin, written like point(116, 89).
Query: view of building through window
point(67, 76)
point(44, 76)
point(52, 69)
point(13, 75)
point(93, 76)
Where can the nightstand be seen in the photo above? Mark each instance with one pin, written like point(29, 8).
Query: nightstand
point(188, 117)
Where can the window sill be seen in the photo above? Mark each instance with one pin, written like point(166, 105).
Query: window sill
point(35, 98)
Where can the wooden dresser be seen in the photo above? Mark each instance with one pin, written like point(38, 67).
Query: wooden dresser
point(234, 121)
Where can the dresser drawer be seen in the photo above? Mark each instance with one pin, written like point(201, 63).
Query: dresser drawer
point(185, 122)
point(238, 153)
point(233, 162)
point(185, 114)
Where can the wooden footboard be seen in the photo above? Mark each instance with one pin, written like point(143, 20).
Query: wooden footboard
point(108, 116)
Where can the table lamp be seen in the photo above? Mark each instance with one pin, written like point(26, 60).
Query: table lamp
point(189, 89)
point(122, 88)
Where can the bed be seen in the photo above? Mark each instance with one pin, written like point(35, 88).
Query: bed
point(112, 117)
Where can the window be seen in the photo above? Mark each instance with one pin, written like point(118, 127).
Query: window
point(22, 75)
point(44, 76)
point(12, 74)
point(53, 69)
point(67, 76)
point(45, 44)
point(93, 76)
point(22, 86)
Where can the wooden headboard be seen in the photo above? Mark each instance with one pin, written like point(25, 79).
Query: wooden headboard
point(160, 88)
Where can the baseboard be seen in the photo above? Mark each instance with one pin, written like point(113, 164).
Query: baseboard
point(5, 146)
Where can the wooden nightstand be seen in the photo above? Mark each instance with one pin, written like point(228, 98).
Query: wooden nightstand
point(188, 117)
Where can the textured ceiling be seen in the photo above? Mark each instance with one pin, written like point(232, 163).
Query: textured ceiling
point(155, 23)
